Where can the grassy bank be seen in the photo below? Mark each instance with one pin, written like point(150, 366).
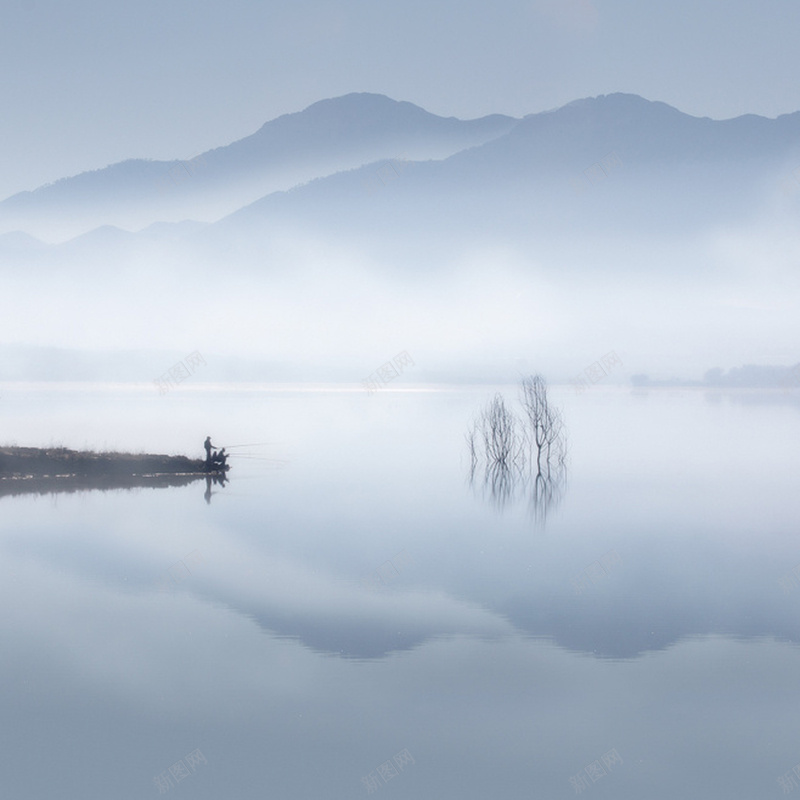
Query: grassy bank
point(59, 462)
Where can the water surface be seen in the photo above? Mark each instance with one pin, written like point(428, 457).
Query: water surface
point(349, 616)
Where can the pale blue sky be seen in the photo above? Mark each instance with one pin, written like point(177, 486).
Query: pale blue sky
point(90, 82)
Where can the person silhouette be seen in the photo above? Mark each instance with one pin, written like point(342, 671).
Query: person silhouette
point(208, 446)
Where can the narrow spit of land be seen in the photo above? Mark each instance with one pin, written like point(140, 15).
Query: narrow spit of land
point(37, 470)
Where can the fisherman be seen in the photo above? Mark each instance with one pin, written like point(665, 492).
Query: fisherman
point(220, 458)
point(208, 446)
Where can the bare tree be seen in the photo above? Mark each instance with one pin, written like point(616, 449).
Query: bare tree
point(497, 433)
point(501, 438)
point(545, 427)
point(497, 440)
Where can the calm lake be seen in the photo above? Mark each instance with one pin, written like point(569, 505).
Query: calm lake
point(350, 617)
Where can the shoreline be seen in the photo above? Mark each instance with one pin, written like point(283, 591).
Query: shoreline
point(25, 463)
point(35, 470)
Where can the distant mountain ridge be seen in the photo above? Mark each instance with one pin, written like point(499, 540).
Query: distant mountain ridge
point(612, 165)
point(327, 137)
point(669, 168)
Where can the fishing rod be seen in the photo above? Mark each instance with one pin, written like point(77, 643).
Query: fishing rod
point(258, 458)
point(271, 464)
point(254, 444)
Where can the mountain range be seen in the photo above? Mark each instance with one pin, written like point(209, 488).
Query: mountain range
point(330, 165)
point(327, 137)
point(331, 238)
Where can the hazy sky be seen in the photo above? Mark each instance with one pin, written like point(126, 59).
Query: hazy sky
point(88, 83)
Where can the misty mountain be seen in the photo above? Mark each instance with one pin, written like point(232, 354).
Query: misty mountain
point(615, 164)
point(366, 165)
point(327, 137)
point(612, 219)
